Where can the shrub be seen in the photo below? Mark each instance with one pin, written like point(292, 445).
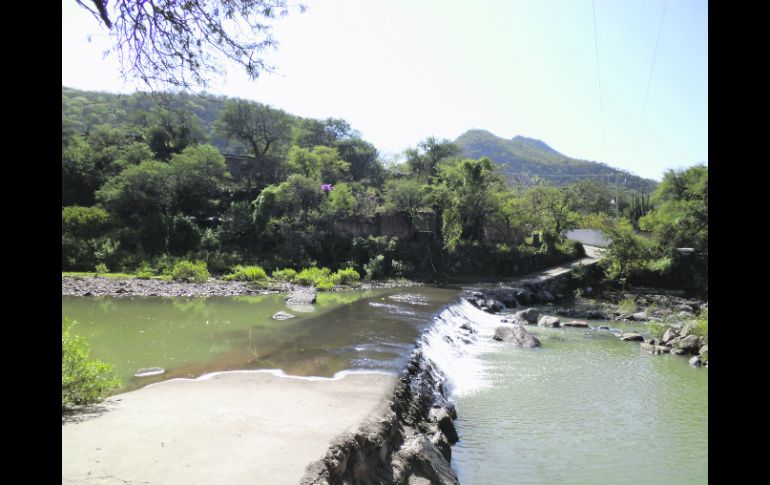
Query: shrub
point(286, 274)
point(311, 276)
point(627, 306)
point(248, 273)
point(345, 276)
point(145, 272)
point(324, 285)
point(196, 272)
point(83, 381)
point(375, 268)
point(102, 268)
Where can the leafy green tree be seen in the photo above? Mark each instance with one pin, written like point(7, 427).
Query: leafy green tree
point(140, 197)
point(363, 159)
point(172, 132)
point(340, 201)
point(470, 201)
point(590, 197)
point(404, 196)
point(627, 253)
point(680, 218)
point(423, 160)
point(321, 163)
point(309, 132)
point(197, 178)
point(80, 175)
point(553, 211)
point(266, 132)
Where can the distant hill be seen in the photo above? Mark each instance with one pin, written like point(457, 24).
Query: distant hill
point(528, 157)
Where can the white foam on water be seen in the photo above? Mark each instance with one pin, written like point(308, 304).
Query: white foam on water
point(457, 337)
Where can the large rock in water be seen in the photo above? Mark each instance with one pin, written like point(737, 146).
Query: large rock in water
point(632, 336)
point(301, 295)
point(546, 321)
point(669, 335)
point(527, 316)
point(690, 344)
point(516, 335)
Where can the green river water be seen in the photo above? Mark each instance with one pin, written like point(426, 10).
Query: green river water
point(584, 408)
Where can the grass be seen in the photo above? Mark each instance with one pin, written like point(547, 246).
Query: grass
point(91, 274)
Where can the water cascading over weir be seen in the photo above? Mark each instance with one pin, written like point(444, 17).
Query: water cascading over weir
point(410, 441)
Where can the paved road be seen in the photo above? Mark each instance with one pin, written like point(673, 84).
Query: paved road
point(593, 254)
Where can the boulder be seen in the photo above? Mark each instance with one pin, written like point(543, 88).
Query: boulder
point(493, 306)
point(686, 315)
point(695, 361)
point(632, 337)
point(576, 323)
point(653, 349)
point(675, 351)
point(639, 317)
point(546, 321)
point(528, 316)
point(301, 295)
point(683, 307)
point(669, 335)
point(690, 344)
point(546, 296)
point(703, 350)
point(282, 316)
point(516, 335)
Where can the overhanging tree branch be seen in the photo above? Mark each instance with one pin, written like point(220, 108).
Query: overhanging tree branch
point(182, 43)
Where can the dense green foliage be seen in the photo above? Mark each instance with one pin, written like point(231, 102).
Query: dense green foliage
point(254, 274)
point(189, 271)
point(84, 381)
point(678, 220)
point(149, 187)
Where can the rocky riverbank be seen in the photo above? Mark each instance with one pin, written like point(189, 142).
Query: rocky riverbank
point(118, 287)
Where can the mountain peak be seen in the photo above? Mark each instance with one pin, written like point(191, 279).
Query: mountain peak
point(533, 142)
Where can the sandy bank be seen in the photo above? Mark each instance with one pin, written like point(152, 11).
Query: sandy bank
point(225, 428)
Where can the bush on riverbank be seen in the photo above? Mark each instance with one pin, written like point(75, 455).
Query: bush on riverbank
point(188, 271)
point(254, 274)
point(83, 380)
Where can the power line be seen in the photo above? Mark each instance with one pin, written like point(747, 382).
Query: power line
point(599, 81)
point(649, 81)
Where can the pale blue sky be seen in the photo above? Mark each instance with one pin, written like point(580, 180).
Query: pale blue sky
point(400, 71)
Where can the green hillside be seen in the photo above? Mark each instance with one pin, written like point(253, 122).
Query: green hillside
point(528, 157)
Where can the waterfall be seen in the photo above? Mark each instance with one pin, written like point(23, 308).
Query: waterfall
point(455, 338)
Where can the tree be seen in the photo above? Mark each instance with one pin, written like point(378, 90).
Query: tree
point(470, 200)
point(172, 132)
point(552, 207)
point(362, 157)
point(423, 160)
point(198, 176)
point(265, 131)
point(322, 163)
point(404, 196)
point(681, 215)
point(182, 42)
